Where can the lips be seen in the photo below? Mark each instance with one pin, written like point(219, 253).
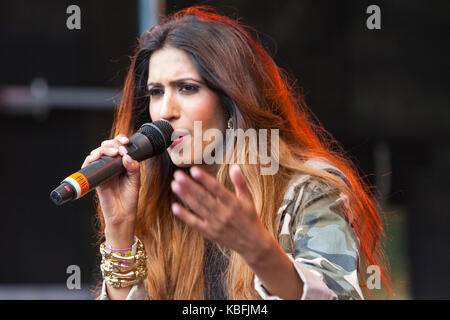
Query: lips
point(179, 140)
point(180, 134)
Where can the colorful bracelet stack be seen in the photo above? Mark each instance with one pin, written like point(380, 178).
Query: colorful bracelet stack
point(122, 268)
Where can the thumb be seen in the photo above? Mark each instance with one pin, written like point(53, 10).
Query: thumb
point(132, 167)
point(240, 184)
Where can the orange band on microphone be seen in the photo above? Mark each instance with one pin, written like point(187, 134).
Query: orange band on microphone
point(82, 182)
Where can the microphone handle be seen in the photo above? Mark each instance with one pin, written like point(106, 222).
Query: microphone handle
point(107, 167)
point(99, 171)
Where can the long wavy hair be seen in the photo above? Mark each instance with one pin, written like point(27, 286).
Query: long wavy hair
point(257, 94)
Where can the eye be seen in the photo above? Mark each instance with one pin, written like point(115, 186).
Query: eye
point(188, 88)
point(155, 92)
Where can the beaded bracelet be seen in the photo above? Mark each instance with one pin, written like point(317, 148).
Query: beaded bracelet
point(124, 252)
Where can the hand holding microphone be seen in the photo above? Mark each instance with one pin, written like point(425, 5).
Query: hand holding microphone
point(150, 140)
point(114, 170)
point(118, 196)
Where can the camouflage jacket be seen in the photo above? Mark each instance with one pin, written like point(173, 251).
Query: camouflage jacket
point(316, 236)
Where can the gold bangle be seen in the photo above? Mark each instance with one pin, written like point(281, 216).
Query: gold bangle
point(120, 283)
point(120, 271)
point(120, 267)
point(139, 259)
point(135, 273)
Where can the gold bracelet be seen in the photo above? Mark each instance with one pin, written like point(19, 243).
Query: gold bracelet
point(139, 258)
point(120, 283)
point(138, 272)
point(120, 267)
point(120, 271)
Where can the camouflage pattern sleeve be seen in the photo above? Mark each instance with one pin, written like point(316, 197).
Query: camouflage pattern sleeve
point(317, 237)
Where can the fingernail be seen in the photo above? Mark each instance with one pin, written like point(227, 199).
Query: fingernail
point(175, 209)
point(179, 176)
point(128, 158)
point(195, 172)
point(176, 187)
point(123, 149)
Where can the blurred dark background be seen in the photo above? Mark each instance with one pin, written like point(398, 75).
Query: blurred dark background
point(384, 94)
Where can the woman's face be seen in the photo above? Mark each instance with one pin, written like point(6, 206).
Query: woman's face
point(179, 95)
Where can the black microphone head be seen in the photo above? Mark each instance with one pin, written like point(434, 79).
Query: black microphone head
point(159, 133)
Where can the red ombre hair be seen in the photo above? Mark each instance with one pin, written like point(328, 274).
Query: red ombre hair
point(257, 94)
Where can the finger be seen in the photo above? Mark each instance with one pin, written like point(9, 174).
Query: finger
point(94, 155)
point(123, 151)
point(132, 166)
point(240, 184)
point(116, 142)
point(122, 139)
point(98, 153)
point(107, 151)
point(109, 143)
point(189, 218)
point(119, 141)
point(212, 185)
point(198, 192)
point(187, 197)
point(132, 173)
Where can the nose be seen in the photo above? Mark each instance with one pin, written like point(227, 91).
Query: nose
point(170, 109)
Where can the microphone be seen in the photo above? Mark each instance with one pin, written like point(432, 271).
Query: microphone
point(150, 140)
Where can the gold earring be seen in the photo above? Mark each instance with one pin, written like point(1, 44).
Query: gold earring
point(230, 123)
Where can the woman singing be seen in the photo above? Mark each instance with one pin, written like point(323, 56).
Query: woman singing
point(179, 227)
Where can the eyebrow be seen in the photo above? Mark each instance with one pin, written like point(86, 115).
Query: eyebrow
point(175, 82)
